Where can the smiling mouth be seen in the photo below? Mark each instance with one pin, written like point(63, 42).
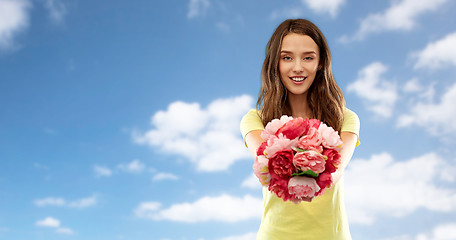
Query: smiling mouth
point(298, 79)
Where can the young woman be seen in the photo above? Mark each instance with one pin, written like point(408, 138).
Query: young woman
point(297, 81)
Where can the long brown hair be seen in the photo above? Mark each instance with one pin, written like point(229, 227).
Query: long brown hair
point(324, 97)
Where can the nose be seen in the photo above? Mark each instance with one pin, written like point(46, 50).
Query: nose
point(298, 66)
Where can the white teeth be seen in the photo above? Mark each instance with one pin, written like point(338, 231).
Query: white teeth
point(299, 79)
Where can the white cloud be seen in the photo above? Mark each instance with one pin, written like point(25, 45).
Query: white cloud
point(401, 237)
point(412, 85)
point(324, 6)
point(437, 118)
point(57, 10)
point(13, 19)
point(144, 208)
point(445, 231)
point(48, 222)
point(64, 230)
point(289, 12)
point(419, 92)
point(134, 166)
point(251, 182)
point(60, 202)
point(223, 208)
point(438, 54)
point(197, 8)
point(379, 94)
point(50, 131)
point(330, 7)
point(51, 201)
point(101, 171)
point(247, 236)
point(83, 202)
point(208, 137)
point(397, 188)
point(414, 91)
point(54, 223)
point(40, 166)
point(224, 27)
point(164, 176)
point(401, 15)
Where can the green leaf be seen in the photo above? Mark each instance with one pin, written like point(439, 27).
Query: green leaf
point(308, 173)
point(300, 150)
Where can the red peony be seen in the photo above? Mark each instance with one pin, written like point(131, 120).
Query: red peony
point(280, 188)
point(261, 148)
point(323, 180)
point(281, 165)
point(333, 160)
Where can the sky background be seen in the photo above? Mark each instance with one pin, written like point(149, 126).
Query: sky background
point(120, 119)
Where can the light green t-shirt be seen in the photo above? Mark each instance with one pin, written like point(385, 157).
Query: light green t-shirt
point(322, 219)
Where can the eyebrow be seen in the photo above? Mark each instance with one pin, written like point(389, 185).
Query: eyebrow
point(308, 52)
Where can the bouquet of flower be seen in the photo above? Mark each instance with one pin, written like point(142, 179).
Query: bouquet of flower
point(297, 158)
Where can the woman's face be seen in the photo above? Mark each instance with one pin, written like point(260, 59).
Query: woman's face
point(298, 64)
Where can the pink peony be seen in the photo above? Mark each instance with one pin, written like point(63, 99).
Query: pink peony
point(274, 125)
point(281, 165)
point(333, 160)
point(280, 188)
point(330, 138)
point(314, 123)
point(302, 187)
point(309, 160)
point(324, 180)
point(278, 143)
point(311, 141)
point(294, 128)
point(261, 170)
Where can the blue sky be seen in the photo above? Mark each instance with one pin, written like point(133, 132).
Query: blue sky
point(121, 120)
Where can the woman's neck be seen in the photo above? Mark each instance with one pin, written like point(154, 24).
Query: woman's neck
point(299, 106)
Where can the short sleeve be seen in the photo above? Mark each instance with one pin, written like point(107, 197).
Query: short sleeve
point(351, 123)
point(251, 121)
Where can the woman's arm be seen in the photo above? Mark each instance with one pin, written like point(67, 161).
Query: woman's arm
point(349, 139)
point(253, 141)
